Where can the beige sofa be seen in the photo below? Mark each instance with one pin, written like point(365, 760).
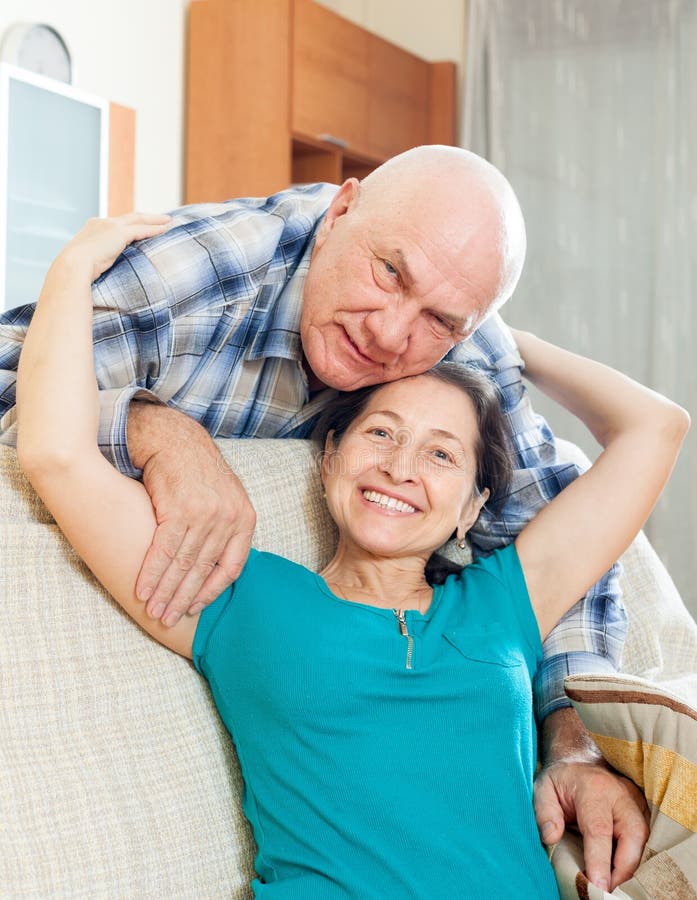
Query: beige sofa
point(116, 777)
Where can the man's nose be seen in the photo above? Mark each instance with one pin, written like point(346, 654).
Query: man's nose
point(390, 329)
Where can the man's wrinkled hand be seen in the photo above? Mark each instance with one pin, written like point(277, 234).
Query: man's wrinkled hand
point(604, 807)
point(205, 521)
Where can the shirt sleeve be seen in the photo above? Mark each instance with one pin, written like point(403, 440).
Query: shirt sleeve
point(155, 310)
point(132, 330)
point(591, 635)
point(207, 623)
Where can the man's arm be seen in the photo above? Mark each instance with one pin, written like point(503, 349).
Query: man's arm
point(205, 520)
point(588, 638)
point(155, 312)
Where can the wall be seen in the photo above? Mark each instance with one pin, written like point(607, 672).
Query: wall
point(133, 52)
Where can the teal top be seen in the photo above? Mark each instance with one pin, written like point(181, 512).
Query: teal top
point(382, 759)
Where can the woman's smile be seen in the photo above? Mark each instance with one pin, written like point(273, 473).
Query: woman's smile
point(387, 503)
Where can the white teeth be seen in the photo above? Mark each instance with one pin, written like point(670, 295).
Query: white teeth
point(388, 502)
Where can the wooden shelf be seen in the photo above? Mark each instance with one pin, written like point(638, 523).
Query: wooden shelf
point(324, 160)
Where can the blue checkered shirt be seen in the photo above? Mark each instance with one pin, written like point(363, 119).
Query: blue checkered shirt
point(206, 318)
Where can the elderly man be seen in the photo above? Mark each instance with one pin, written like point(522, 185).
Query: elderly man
point(240, 321)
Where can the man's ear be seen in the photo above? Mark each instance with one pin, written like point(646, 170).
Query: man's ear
point(345, 198)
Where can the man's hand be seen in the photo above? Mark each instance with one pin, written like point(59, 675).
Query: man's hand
point(577, 787)
point(205, 521)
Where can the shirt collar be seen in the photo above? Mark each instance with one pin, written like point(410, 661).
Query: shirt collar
point(280, 337)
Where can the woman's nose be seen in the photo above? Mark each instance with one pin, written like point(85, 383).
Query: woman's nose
point(400, 462)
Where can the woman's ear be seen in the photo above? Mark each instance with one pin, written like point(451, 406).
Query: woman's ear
point(470, 512)
point(326, 455)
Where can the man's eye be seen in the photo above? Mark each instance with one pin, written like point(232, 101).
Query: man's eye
point(442, 326)
point(390, 269)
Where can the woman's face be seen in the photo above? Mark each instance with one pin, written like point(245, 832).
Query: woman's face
point(402, 478)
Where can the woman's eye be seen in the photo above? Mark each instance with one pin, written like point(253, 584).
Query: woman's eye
point(442, 456)
point(390, 269)
point(379, 432)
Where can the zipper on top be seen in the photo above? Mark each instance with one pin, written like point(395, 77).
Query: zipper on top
point(403, 630)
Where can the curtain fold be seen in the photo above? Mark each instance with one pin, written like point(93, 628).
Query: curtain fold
point(590, 108)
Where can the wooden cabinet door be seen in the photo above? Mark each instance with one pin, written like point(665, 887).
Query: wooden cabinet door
point(398, 108)
point(330, 76)
point(238, 99)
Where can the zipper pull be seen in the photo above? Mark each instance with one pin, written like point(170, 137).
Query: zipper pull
point(403, 630)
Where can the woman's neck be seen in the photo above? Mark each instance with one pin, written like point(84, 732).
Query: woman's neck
point(379, 581)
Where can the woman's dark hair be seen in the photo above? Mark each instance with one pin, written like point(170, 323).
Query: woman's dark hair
point(492, 448)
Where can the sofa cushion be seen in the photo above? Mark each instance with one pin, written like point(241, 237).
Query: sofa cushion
point(648, 732)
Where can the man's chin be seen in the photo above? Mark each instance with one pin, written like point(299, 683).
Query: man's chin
point(351, 382)
point(339, 377)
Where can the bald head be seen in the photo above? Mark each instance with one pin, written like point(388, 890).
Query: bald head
point(467, 200)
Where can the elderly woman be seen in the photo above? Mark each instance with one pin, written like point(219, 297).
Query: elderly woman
point(381, 709)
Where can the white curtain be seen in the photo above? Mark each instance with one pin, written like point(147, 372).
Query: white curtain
point(590, 108)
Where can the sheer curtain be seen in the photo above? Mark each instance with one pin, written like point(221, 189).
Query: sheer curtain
point(590, 108)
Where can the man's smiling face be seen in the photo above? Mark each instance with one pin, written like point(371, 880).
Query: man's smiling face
point(395, 281)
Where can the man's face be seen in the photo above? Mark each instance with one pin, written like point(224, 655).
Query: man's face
point(386, 294)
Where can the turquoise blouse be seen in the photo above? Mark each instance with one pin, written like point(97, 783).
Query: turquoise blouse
point(382, 758)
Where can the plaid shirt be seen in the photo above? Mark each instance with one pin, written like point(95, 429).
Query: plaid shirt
point(206, 318)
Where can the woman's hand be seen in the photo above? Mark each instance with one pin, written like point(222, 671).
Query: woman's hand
point(97, 246)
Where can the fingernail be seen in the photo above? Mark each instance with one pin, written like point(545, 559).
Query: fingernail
point(158, 610)
point(143, 593)
point(547, 831)
point(171, 619)
point(602, 883)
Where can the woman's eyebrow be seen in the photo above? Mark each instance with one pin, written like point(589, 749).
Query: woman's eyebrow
point(439, 432)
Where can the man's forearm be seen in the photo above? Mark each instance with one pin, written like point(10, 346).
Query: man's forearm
point(564, 738)
point(153, 427)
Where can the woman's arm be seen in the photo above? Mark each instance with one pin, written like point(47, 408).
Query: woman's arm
point(576, 538)
point(107, 517)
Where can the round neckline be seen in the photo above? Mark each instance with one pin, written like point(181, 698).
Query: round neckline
point(382, 610)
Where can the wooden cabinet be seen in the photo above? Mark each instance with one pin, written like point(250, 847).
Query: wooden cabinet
point(286, 91)
point(399, 99)
point(330, 87)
